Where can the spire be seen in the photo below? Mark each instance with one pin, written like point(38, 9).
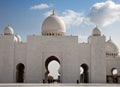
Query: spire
point(96, 26)
point(110, 38)
point(53, 13)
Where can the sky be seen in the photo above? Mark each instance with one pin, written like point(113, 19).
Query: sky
point(80, 16)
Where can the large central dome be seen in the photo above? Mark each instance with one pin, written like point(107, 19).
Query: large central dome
point(53, 26)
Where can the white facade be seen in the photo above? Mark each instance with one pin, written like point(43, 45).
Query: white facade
point(97, 56)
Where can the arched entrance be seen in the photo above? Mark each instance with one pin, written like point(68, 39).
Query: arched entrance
point(52, 65)
point(20, 73)
point(113, 78)
point(114, 72)
point(84, 74)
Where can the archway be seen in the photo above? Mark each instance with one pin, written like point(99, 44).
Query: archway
point(52, 65)
point(20, 73)
point(114, 73)
point(113, 78)
point(84, 74)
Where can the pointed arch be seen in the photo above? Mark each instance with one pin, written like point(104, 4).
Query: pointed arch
point(84, 76)
point(114, 73)
point(50, 79)
point(20, 73)
point(49, 59)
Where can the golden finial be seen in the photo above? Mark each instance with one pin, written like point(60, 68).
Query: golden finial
point(110, 38)
point(96, 26)
point(53, 13)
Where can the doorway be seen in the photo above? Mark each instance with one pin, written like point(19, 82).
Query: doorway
point(84, 74)
point(52, 74)
point(20, 73)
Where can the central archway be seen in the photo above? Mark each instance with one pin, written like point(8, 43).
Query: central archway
point(52, 65)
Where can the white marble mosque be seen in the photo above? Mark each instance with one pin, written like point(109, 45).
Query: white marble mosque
point(96, 61)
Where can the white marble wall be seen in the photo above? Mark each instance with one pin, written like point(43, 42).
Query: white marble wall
point(70, 53)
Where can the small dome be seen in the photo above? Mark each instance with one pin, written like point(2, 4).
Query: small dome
point(96, 32)
point(111, 48)
point(18, 37)
point(8, 30)
point(15, 39)
point(53, 25)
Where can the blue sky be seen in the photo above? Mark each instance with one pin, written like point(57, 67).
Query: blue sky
point(80, 16)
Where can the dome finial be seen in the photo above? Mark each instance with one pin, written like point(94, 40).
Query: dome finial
point(110, 38)
point(53, 13)
point(96, 26)
point(96, 31)
point(8, 25)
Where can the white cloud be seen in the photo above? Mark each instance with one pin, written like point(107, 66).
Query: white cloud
point(72, 18)
point(103, 13)
point(48, 13)
point(40, 6)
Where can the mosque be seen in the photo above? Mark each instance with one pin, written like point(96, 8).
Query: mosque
point(96, 61)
